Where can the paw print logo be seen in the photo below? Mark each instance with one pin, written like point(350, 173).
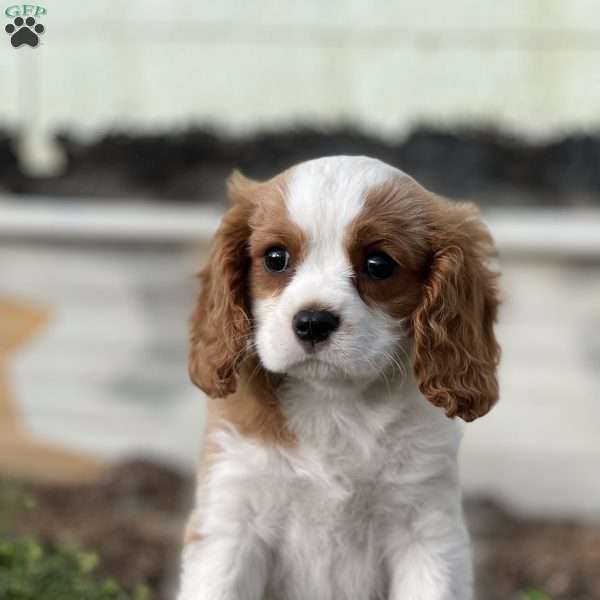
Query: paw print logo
point(24, 32)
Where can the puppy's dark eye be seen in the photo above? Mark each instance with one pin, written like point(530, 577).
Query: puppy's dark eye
point(379, 265)
point(277, 259)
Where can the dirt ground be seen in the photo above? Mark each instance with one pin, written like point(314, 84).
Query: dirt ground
point(133, 519)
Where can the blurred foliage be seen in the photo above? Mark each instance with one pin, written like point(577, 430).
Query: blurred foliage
point(13, 503)
point(30, 572)
point(191, 164)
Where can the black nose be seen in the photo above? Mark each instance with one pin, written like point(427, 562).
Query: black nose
point(314, 325)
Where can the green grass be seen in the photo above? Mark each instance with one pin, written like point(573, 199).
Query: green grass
point(29, 571)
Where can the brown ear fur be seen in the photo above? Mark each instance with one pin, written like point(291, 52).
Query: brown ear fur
point(456, 352)
point(221, 323)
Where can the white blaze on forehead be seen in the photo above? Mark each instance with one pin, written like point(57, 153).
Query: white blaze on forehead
point(325, 195)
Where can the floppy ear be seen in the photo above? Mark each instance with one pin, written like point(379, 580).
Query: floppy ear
point(456, 353)
point(221, 323)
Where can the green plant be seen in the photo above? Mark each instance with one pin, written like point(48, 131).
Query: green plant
point(29, 571)
point(13, 504)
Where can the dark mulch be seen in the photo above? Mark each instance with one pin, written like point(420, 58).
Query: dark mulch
point(478, 162)
point(560, 557)
point(133, 519)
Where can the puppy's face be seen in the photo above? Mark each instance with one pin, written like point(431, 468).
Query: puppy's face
point(340, 269)
point(337, 261)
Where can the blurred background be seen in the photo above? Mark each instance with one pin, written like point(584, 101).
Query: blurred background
point(116, 134)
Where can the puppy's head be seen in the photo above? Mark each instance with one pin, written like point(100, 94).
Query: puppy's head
point(336, 269)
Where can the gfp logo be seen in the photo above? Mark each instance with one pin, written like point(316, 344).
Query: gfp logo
point(25, 30)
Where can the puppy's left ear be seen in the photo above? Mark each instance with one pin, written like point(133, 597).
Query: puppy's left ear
point(456, 353)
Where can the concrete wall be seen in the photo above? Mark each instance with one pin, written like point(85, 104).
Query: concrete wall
point(100, 371)
point(531, 65)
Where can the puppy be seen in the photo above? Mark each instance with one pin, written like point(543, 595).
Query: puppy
point(345, 319)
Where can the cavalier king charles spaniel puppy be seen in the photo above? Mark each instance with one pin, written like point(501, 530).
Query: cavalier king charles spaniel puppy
point(345, 320)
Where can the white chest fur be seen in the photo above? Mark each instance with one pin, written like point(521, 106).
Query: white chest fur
point(328, 518)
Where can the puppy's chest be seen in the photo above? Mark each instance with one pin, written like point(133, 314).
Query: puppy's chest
point(338, 477)
point(331, 525)
point(335, 488)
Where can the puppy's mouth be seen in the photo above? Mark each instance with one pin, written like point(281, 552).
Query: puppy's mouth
point(316, 367)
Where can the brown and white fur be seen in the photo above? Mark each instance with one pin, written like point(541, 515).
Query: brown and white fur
point(330, 470)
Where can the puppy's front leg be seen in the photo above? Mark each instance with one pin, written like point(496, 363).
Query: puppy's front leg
point(224, 565)
point(431, 560)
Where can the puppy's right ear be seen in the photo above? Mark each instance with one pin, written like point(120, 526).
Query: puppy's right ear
point(221, 324)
